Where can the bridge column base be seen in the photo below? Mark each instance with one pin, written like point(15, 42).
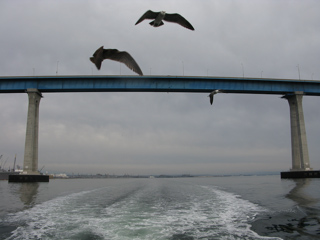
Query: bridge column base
point(301, 174)
point(299, 146)
point(22, 178)
point(30, 163)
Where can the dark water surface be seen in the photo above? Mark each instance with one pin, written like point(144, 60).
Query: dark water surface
point(241, 207)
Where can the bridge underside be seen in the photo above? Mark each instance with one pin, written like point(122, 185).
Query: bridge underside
point(292, 90)
point(157, 84)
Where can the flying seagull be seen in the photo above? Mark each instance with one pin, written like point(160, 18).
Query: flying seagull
point(114, 54)
point(169, 17)
point(211, 95)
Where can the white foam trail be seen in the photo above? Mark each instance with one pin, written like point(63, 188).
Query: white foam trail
point(46, 217)
point(208, 213)
point(236, 214)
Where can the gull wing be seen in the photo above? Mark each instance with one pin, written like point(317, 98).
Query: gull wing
point(211, 98)
point(148, 15)
point(124, 57)
point(97, 57)
point(177, 18)
point(96, 62)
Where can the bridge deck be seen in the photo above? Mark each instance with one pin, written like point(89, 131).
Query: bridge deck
point(157, 84)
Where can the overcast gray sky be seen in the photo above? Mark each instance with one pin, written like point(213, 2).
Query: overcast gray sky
point(160, 133)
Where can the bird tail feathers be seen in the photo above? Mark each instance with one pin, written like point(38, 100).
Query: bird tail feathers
point(152, 24)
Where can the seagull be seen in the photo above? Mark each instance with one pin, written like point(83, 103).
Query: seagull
point(211, 95)
point(169, 17)
point(114, 54)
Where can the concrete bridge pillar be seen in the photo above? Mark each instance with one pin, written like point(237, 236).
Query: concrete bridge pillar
point(30, 163)
point(299, 146)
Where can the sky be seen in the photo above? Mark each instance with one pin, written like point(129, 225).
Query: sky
point(160, 133)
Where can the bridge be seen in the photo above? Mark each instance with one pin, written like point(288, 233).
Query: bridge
point(157, 84)
point(292, 90)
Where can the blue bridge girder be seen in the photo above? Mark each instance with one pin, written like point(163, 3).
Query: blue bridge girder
point(20, 84)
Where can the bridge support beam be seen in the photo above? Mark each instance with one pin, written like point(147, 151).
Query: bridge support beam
point(30, 163)
point(299, 146)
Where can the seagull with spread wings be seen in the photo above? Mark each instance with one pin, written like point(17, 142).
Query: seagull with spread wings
point(114, 54)
point(211, 95)
point(169, 17)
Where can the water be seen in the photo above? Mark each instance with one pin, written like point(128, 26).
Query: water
point(242, 207)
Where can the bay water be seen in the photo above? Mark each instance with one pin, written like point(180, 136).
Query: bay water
point(233, 207)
